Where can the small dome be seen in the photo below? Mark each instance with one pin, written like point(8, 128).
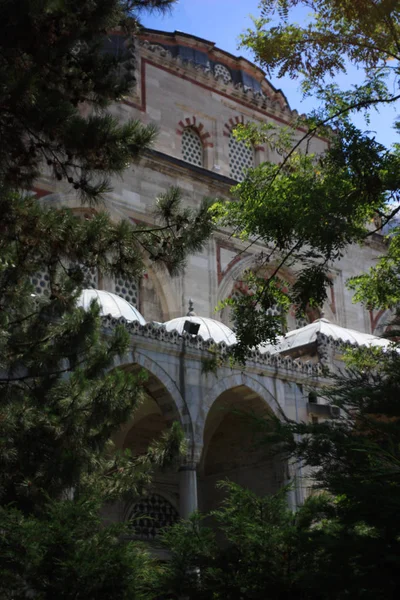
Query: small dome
point(304, 336)
point(210, 329)
point(110, 304)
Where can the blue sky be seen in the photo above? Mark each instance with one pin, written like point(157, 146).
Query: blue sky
point(222, 21)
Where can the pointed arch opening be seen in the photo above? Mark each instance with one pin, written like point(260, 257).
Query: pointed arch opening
point(241, 157)
point(159, 408)
point(233, 449)
point(192, 147)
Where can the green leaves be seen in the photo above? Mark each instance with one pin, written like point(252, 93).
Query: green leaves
point(305, 212)
point(71, 553)
point(259, 545)
point(58, 63)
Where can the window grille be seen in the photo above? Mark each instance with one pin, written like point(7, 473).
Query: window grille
point(41, 283)
point(192, 148)
point(150, 515)
point(127, 289)
point(241, 158)
point(90, 274)
point(222, 71)
point(90, 277)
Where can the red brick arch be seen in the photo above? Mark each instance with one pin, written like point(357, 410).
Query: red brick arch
point(199, 128)
point(232, 123)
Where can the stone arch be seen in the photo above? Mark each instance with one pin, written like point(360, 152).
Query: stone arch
point(232, 449)
point(384, 323)
point(236, 380)
point(230, 282)
point(171, 403)
point(198, 127)
point(158, 299)
point(162, 404)
point(71, 201)
point(233, 122)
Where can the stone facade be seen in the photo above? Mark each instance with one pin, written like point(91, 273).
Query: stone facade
point(196, 94)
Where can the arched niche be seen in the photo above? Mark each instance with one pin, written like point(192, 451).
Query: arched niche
point(161, 402)
point(384, 322)
point(233, 450)
point(158, 301)
point(160, 406)
point(233, 285)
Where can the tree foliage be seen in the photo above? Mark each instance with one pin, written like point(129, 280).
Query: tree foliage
point(306, 212)
point(334, 34)
point(62, 63)
point(60, 71)
point(70, 554)
point(310, 208)
point(344, 540)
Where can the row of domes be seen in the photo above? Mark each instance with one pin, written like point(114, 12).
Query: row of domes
point(117, 307)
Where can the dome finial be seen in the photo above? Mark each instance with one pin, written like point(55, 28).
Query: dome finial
point(190, 312)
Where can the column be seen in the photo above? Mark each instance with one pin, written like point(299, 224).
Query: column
point(295, 494)
point(187, 490)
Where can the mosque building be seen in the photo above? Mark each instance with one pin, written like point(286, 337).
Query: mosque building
point(196, 94)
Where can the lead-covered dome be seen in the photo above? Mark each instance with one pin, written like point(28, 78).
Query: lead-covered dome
point(110, 304)
point(209, 329)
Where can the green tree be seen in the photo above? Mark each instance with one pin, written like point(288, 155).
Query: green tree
point(61, 399)
point(344, 541)
point(59, 62)
point(260, 549)
point(308, 209)
point(333, 35)
point(68, 553)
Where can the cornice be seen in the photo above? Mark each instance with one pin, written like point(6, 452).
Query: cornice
point(151, 331)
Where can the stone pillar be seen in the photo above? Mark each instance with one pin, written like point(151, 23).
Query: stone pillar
point(187, 490)
point(294, 476)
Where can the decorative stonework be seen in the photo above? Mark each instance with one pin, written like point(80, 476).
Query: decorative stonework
point(222, 72)
point(236, 256)
point(196, 342)
point(301, 322)
point(41, 283)
point(91, 277)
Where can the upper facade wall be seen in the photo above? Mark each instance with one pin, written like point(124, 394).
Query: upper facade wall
point(196, 94)
point(195, 105)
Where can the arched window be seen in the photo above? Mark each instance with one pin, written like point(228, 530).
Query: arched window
point(192, 147)
point(241, 157)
